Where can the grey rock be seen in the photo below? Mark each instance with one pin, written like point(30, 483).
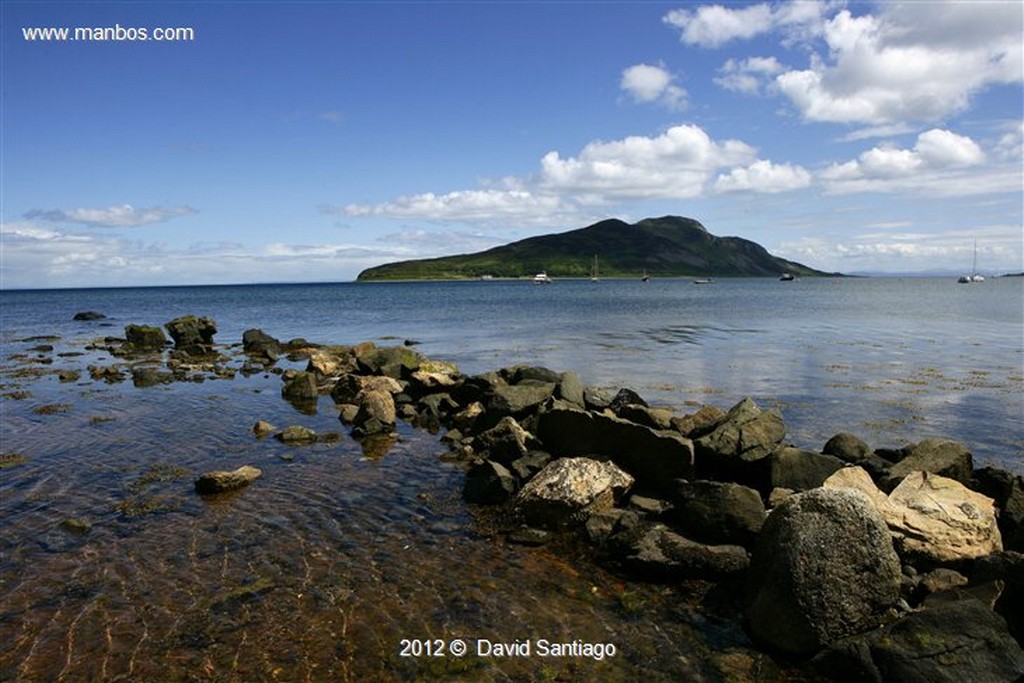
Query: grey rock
point(847, 447)
point(745, 435)
point(89, 315)
point(570, 388)
point(800, 470)
point(192, 335)
point(488, 483)
point(657, 552)
point(951, 642)
point(569, 489)
point(145, 337)
point(949, 459)
point(296, 434)
point(656, 458)
point(220, 481)
point(516, 400)
point(823, 568)
point(505, 442)
point(717, 512)
point(299, 385)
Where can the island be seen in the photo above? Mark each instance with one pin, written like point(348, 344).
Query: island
point(670, 246)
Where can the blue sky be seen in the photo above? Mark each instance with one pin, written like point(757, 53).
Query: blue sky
point(307, 141)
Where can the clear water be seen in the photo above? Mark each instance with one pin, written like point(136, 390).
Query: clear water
point(319, 569)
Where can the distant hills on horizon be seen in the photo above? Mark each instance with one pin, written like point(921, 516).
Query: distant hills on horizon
point(670, 246)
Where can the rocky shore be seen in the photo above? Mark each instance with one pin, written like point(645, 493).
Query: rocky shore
point(857, 563)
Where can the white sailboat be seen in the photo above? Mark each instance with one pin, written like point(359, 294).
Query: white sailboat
point(974, 276)
point(593, 271)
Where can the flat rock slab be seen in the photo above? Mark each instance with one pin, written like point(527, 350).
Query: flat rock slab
point(220, 481)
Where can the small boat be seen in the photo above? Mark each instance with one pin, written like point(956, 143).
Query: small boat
point(974, 276)
point(645, 277)
point(704, 281)
point(787, 277)
point(541, 278)
point(593, 271)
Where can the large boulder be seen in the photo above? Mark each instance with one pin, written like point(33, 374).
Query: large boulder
point(950, 642)
point(933, 520)
point(743, 437)
point(377, 413)
point(656, 458)
point(145, 337)
point(823, 568)
point(570, 388)
point(192, 336)
point(657, 552)
point(939, 520)
point(717, 512)
point(946, 458)
point(569, 489)
point(219, 481)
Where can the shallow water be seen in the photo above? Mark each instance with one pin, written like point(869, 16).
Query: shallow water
point(321, 568)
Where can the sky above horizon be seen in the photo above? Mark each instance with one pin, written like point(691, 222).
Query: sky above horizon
point(290, 142)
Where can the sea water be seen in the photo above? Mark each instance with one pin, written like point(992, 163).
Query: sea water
point(111, 567)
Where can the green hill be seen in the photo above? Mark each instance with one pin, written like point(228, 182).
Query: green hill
point(668, 246)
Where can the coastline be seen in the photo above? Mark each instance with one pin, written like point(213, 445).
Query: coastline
point(325, 366)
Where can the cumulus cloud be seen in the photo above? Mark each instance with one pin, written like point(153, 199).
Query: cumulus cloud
point(646, 83)
point(936, 162)
point(763, 176)
point(123, 216)
point(680, 163)
point(676, 164)
point(712, 26)
point(750, 76)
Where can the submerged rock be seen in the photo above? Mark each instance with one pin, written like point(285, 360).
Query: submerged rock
point(220, 481)
point(658, 552)
point(89, 315)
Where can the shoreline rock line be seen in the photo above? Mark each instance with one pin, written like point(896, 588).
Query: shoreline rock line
point(857, 563)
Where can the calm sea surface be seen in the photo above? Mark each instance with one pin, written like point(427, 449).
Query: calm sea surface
point(322, 567)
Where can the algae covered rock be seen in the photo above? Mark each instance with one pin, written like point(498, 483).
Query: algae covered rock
point(219, 481)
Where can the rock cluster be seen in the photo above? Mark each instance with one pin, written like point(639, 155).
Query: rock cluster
point(877, 563)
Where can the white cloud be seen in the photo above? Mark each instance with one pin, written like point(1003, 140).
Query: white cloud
point(465, 205)
point(113, 216)
point(39, 257)
point(712, 26)
point(918, 61)
point(881, 69)
point(933, 163)
point(750, 76)
point(763, 176)
point(676, 164)
point(941, 164)
point(647, 83)
point(680, 163)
